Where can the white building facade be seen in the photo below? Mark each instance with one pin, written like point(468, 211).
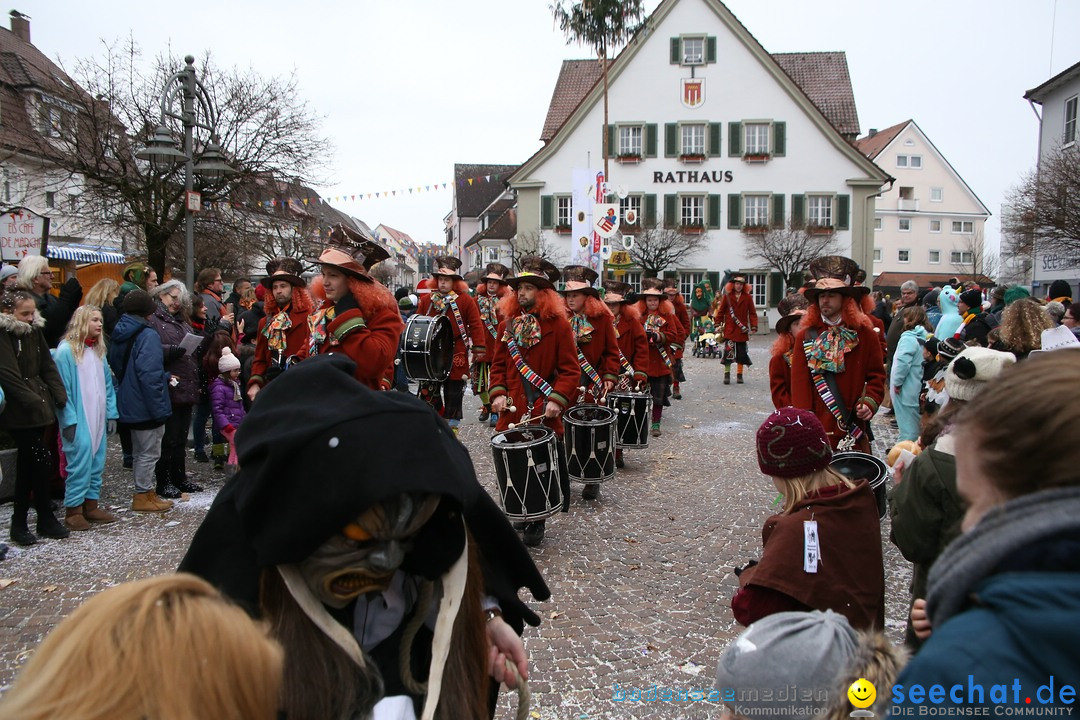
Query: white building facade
point(709, 133)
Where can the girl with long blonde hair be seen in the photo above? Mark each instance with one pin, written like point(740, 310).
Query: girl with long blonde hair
point(88, 417)
point(167, 647)
point(103, 295)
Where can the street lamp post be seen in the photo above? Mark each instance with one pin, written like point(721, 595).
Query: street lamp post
point(196, 111)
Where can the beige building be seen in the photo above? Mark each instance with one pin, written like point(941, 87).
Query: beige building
point(929, 222)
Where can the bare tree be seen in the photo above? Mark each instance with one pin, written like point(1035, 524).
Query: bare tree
point(534, 242)
point(975, 259)
point(384, 271)
point(657, 248)
point(264, 129)
point(789, 249)
point(1046, 206)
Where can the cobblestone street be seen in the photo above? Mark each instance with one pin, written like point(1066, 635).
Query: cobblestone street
point(641, 579)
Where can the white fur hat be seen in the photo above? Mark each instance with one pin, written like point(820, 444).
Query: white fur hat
point(972, 369)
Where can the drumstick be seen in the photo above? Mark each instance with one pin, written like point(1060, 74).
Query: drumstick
point(525, 420)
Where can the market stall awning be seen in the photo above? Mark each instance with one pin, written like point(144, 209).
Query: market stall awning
point(84, 254)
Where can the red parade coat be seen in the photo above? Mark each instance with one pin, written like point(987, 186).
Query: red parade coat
point(296, 341)
point(745, 312)
point(474, 327)
point(368, 335)
point(670, 334)
point(602, 349)
point(632, 342)
point(553, 357)
point(780, 381)
point(683, 316)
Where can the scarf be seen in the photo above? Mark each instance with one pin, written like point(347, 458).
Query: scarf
point(654, 322)
point(968, 317)
point(488, 313)
point(90, 342)
point(237, 397)
point(439, 301)
point(582, 328)
point(317, 323)
point(274, 330)
point(829, 348)
point(524, 329)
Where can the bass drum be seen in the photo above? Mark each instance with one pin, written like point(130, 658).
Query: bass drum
point(633, 414)
point(856, 466)
point(590, 443)
point(527, 469)
point(427, 348)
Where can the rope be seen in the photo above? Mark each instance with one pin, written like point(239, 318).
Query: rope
point(524, 697)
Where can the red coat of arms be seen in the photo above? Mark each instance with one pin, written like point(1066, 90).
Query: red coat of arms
point(693, 92)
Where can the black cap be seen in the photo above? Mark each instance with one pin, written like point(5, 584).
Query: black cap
point(139, 303)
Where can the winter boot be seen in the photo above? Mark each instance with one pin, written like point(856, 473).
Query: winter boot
point(727, 377)
point(97, 514)
point(48, 526)
point(219, 454)
point(738, 379)
point(485, 413)
point(675, 392)
point(534, 533)
point(20, 533)
point(590, 491)
point(180, 479)
point(656, 429)
point(149, 502)
point(200, 456)
point(74, 520)
point(166, 489)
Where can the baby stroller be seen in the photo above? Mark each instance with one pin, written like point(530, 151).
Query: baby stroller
point(707, 346)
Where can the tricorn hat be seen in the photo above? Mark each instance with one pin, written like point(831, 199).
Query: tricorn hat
point(580, 278)
point(652, 286)
point(283, 268)
point(352, 253)
point(537, 271)
point(616, 291)
point(495, 271)
point(447, 266)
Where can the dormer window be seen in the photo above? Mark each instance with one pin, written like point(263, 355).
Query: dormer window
point(693, 50)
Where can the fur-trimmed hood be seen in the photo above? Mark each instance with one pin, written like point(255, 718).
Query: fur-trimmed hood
point(8, 323)
point(548, 305)
point(665, 307)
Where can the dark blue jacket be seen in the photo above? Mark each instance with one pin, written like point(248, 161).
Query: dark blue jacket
point(142, 384)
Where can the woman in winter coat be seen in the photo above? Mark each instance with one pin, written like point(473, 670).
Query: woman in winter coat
point(33, 390)
point(1003, 597)
point(907, 372)
point(88, 417)
point(170, 320)
point(227, 402)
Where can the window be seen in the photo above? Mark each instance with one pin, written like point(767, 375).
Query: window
point(693, 139)
point(904, 224)
point(1070, 120)
point(73, 203)
point(907, 193)
point(692, 210)
point(819, 210)
point(916, 161)
point(962, 257)
point(755, 211)
point(758, 282)
point(50, 199)
point(877, 223)
point(909, 161)
point(903, 256)
point(633, 277)
point(935, 226)
point(877, 254)
point(934, 257)
point(901, 160)
point(492, 254)
point(757, 138)
point(630, 204)
point(687, 281)
point(963, 226)
point(693, 50)
point(630, 140)
point(936, 194)
point(563, 211)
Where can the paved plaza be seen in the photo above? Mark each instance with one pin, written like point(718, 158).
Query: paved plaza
point(641, 579)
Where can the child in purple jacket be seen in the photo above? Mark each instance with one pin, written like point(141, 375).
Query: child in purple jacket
point(226, 402)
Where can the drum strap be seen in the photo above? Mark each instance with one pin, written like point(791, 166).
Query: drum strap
point(625, 364)
point(460, 324)
point(825, 385)
point(590, 371)
point(527, 372)
point(487, 313)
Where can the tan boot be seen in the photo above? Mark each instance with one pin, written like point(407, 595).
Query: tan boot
point(149, 502)
point(74, 519)
point(96, 514)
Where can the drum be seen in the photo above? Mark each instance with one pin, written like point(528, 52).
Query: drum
point(527, 468)
point(427, 348)
point(633, 414)
point(856, 466)
point(589, 435)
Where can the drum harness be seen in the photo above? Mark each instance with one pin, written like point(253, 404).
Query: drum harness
point(829, 391)
point(534, 381)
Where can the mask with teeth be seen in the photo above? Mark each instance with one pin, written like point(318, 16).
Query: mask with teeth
point(363, 557)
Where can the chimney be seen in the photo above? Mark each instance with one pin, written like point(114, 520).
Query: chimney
point(873, 132)
point(20, 25)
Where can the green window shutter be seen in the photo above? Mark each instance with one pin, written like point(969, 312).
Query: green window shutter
point(671, 211)
point(798, 214)
point(547, 211)
point(715, 148)
point(776, 289)
point(650, 140)
point(734, 211)
point(734, 139)
point(843, 209)
point(650, 211)
point(779, 139)
point(671, 139)
point(710, 49)
point(676, 50)
point(612, 142)
point(714, 210)
point(778, 210)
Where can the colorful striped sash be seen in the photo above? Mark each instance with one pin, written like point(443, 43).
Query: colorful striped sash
point(527, 372)
point(628, 369)
point(487, 304)
point(460, 324)
point(822, 388)
point(731, 311)
point(590, 372)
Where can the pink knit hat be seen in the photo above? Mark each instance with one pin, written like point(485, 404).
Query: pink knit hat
point(792, 443)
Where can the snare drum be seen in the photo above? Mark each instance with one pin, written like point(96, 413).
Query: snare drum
point(589, 436)
point(633, 415)
point(427, 348)
point(856, 466)
point(527, 468)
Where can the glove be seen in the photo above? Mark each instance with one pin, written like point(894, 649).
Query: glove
point(739, 570)
point(69, 433)
point(110, 427)
point(173, 353)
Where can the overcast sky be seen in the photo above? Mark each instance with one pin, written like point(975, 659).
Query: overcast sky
point(409, 87)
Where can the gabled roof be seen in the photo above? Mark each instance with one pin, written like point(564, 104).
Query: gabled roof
point(576, 79)
point(504, 227)
point(872, 145)
point(1065, 76)
point(472, 197)
point(397, 235)
point(928, 280)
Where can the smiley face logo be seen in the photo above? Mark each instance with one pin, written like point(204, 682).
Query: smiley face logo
point(862, 693)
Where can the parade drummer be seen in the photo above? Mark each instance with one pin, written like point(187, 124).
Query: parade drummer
point(738, 316)
point(283, 335)
point(450, 298)
point(671, 289)
point(489, 292)
point(662, 330)
point(360, 316)
point(535, 367)
point(630, 336)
